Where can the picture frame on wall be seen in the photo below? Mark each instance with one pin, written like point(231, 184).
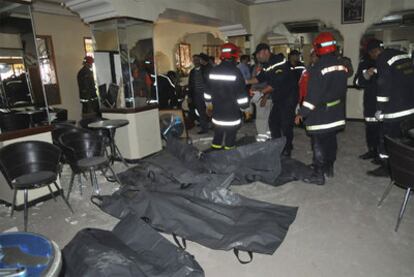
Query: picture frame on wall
point(353, 11)
point(183, 58)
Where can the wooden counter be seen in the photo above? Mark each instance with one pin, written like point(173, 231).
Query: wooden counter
point(25, 132)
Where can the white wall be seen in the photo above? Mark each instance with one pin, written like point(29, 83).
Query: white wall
point(264, 17)
point(67, 35)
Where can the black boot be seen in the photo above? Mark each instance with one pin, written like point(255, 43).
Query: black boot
point(287, 152)
point(329, 171)
point(371, 154)
point(317, 177)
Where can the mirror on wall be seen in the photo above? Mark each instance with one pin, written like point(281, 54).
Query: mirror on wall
point(124, 62)
point(21, 84)
point(396, 30)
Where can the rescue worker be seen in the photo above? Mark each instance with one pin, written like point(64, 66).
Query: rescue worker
point(323, 110)
point(196, 87)
point(395, 98)
point(276, 73)
point(227, 93)
point(296, 67)
point(87, 89)
point(366, 78)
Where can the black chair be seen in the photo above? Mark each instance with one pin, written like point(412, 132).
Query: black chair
point(14, 121)
point(401, 163)
point(104, 134)
point(86, 152)
point(30, 165)
point(407, 128)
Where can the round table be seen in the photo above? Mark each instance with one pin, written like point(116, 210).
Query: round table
point(111, 125)
point(29, 254)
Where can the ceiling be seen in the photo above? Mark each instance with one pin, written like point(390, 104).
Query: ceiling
point(257, 2)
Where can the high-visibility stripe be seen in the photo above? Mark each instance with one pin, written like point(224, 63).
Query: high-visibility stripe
point(334, 68)
point(226, 123)
point(243, 100)
point(274, 65)
point(325, 126)
point(383, 99)
point(383, 156)
point(196, 112)
point(207, 96)
point(333, 103)
point(297, 67)
point(222, 77)
point(308, 105)
point(328, 43)
point(153, 101)
point(397, 58)
point(371, 119)
point(216, 146)
point(169, 80)
point(226, 50)
point(399, 114)
point(229, 147)
point(87, 100)
point(129, 99)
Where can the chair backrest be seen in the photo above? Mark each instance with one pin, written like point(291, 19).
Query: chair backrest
point(28, 157)
point(401, 161)
point(80, 145)
point(14, 121)
point(406, 126)
point(60, 129)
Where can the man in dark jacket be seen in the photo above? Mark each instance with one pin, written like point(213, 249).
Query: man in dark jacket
point(87, 89)
point(366, 78)
point(196, 86)
point(276, 72)
point(323, 110)
point(227, 92)
point(395, 97)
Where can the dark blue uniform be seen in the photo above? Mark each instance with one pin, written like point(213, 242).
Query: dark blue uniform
point(278, 75)
point(395, 97)
point(323, 109)
point(226, 90)
point(370, 87)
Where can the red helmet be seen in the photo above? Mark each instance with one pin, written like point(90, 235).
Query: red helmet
point(324, 43)
point(88, 60)
point(228, 51)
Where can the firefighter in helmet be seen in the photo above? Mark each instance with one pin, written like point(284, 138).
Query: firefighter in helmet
point(226, 92)
point(323, 109)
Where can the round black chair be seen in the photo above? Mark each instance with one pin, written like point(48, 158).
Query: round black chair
point(401, 163)
point(14, 121)
point(29, 165)
point(85, 152)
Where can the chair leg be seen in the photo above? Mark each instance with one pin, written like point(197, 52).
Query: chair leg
point(114, 174)
point(63, 197)
point(120, 156)
point(14, 202)
point(94, 181)
point(402, 210)
point(51, 192)
point(386, 192)
point(25, 210)
point(72, 177)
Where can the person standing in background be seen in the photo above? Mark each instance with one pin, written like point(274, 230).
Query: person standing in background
point(87, 89)
point(196, 87)
point(227, 92)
